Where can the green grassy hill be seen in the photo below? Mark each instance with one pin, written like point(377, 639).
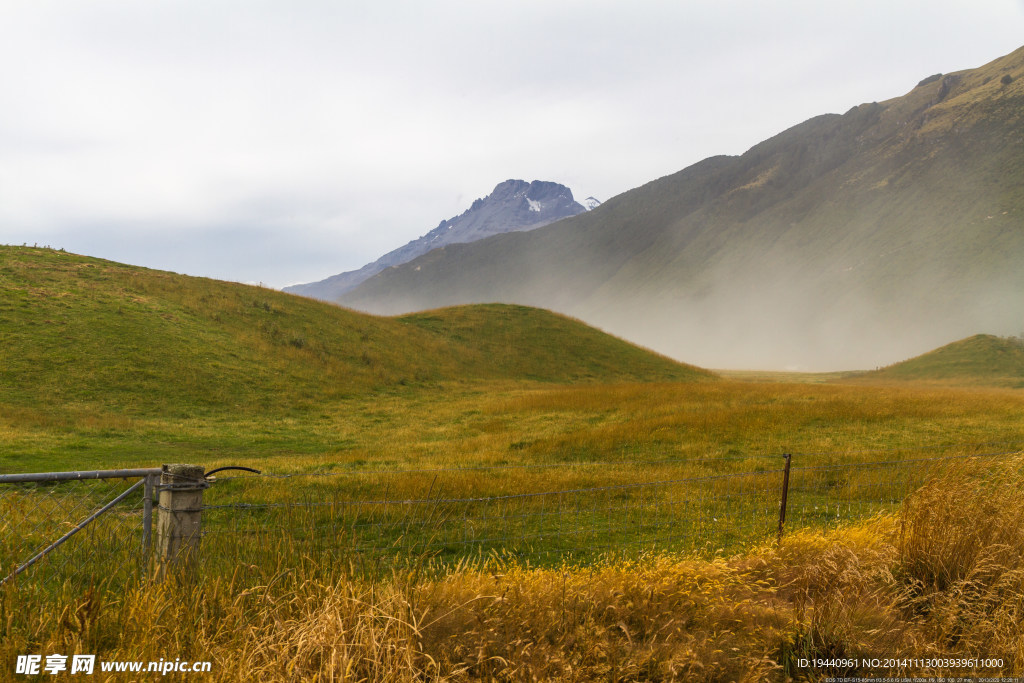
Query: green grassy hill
point(982, 359)
point(79, 332)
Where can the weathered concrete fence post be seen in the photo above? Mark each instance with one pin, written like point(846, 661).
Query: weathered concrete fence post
point(179, 524)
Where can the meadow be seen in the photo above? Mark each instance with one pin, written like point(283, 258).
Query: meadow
point(276, 606)
point(108, 366)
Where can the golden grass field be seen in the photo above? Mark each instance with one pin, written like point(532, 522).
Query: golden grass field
point(943, 578)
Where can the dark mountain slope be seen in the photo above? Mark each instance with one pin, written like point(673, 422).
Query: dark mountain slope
point(848, 240)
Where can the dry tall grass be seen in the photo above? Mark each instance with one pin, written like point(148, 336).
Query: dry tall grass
point(945, 577)
point(962, 559)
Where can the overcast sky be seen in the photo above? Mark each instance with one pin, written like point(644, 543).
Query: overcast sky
point(282, 142)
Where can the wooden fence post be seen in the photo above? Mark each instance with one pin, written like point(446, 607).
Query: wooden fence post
point(179, 524)
point(785, 495)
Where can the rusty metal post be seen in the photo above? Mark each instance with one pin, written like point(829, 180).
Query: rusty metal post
point(785, 495)
point(179, 524)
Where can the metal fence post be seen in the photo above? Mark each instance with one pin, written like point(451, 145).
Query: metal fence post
point(179, 524)
point(785, 494)
point(147, 516)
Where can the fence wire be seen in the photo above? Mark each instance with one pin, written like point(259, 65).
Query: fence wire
point(829, 495)
point(33, 516)
point(428, 520)
point(541, 515)
point(552, 513)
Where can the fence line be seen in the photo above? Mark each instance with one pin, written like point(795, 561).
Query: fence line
point(571, 464)
point(538, 513)
point(679, 513)
point(81, 525)
point(64, 530)
point(538, 524)
point(37, 508)
point(632, 463)
point(479, 499)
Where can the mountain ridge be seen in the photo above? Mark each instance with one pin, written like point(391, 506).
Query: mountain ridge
point(847, 240)
point(513, 205)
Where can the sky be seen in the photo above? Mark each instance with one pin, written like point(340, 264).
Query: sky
point(283, 142)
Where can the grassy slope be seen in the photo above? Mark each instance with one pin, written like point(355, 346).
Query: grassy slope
point(981, 359)
point(109, 365)
point(517, 341)
point(83, 332)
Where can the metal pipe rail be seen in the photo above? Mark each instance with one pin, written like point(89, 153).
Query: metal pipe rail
point(75, 476)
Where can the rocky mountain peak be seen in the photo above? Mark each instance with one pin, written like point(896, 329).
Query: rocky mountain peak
point(513, 206)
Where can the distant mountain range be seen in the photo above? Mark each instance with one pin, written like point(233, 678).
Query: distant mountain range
point(514, 205)
point(847, 241)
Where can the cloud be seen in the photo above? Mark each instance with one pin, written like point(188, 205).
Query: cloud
point(355, 127)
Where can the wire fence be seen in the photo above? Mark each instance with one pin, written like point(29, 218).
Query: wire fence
point(62, 515)
point(539, 514)
point(829, 495)
point(548, 514)
point(577, 521)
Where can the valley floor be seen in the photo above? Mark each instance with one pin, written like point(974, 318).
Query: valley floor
point(939, 576)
